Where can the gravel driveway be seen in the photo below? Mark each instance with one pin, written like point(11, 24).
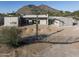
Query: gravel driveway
point(69, 34)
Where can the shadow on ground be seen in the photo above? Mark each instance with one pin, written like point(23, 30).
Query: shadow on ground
point(33, 39)
point(42, 39)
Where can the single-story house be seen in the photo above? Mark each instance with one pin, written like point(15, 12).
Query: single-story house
point(31, 19)
point(61, 21)
point(25, 20)
point(56, 22)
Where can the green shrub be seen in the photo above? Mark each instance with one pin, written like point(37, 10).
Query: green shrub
point(10, 35)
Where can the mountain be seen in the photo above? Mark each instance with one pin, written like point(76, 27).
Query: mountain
point(29, 9)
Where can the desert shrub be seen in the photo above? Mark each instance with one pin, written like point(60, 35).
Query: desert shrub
point(10, 35)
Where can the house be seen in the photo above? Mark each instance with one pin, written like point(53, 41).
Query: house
point(56, 22)
point(42, 20)
point(61, 21)
point(31, 19)
point(11, 21)
point(25, 20)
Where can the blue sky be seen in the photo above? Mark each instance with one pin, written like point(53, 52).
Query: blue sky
point(9, 6)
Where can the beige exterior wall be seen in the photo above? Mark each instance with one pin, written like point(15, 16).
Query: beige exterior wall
point(10, 21)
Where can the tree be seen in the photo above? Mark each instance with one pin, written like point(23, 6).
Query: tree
point(13, 14)
point(10, 36)
point(67, 13)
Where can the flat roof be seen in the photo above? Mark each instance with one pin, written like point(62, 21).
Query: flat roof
point(34, 16)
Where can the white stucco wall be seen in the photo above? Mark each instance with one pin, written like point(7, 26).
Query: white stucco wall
point(10, 21)
point(43, 22)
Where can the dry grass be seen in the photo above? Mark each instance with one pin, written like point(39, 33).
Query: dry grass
point(42, 30)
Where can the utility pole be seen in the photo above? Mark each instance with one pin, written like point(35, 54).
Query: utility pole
point(36, 12)
point(37, 27)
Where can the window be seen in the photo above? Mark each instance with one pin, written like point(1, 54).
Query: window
point(74, 24)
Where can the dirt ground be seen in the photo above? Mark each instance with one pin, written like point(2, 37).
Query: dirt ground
point(58, 42)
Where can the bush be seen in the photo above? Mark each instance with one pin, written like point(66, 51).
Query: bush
point(10, 35)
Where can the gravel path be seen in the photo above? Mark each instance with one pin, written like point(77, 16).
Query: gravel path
point(64, 43)
point(63, 50)
point(58, 50)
